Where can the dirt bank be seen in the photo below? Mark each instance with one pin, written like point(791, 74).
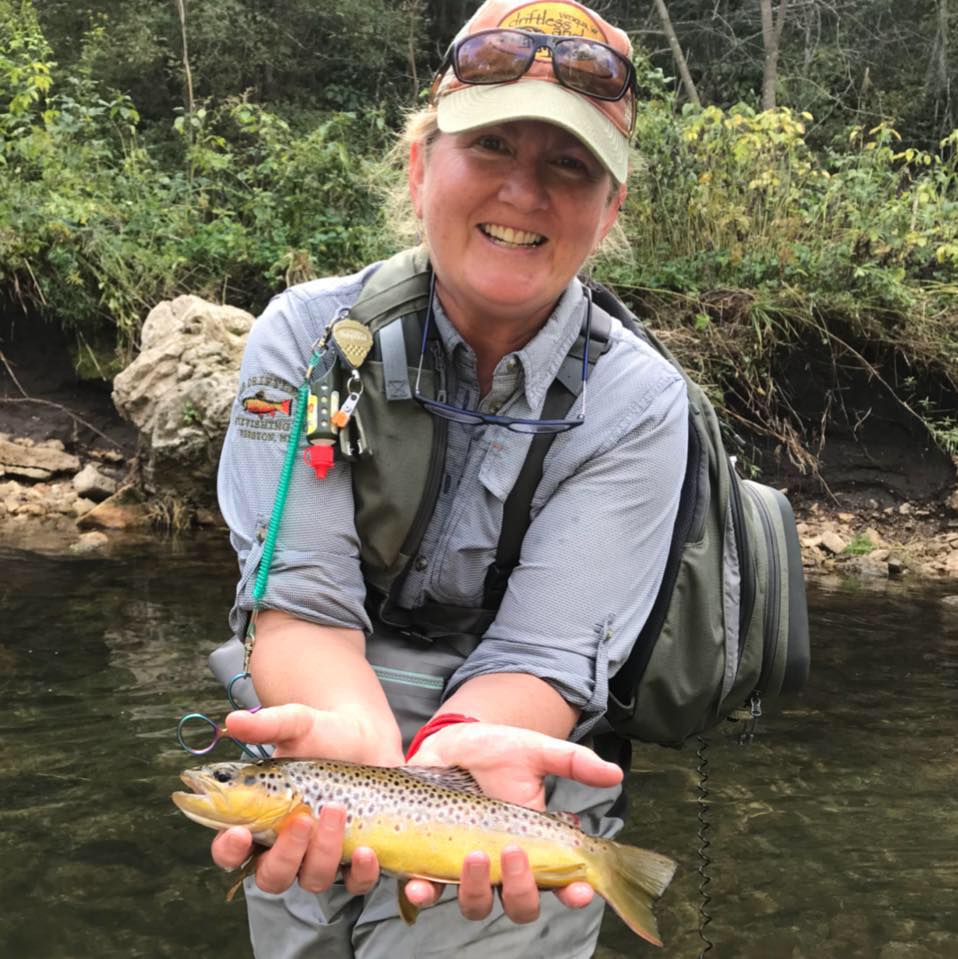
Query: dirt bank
point(64, 451)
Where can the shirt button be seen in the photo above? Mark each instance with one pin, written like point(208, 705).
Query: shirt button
point(421, 563)
point(511, 363)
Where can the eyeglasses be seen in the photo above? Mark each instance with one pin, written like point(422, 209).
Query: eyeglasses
point(502, 55)
point(456, 414)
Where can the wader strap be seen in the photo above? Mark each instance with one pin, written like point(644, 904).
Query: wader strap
point(516, 510)
point(392, 345)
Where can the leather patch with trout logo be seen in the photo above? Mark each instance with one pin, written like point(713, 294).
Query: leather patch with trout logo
point(263, 407)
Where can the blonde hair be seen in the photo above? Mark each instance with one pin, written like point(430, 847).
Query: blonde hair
point(422, 126)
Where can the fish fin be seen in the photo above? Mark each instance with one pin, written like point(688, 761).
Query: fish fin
point(408, 910)
point(569, 818)
point(561, 875)
point(451, 777)
point(630, 880)
point(247, 869)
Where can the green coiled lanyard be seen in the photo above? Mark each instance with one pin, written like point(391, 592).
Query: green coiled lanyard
point(279, 504)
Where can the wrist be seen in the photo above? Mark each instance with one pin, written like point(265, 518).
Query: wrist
point(433, 726)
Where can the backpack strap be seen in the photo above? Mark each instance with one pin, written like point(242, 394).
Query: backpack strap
point(516, 510)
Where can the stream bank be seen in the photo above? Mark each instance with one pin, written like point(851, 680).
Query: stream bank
point(74, 476)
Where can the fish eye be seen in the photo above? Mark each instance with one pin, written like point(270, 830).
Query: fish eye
point(222, 776)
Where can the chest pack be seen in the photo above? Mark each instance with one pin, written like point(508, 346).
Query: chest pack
point(728, 629)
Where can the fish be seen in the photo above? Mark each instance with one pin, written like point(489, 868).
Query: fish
point(422, 821)
point(263, 407)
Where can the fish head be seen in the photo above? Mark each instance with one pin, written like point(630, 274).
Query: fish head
point(238, 794)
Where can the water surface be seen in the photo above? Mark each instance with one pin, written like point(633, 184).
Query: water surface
point(833, 836)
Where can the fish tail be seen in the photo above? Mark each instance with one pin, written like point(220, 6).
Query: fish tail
point(630, 880)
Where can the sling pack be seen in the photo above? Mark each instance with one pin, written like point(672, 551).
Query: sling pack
point(729, 625)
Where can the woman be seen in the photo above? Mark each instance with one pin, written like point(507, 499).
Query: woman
point(516, 173)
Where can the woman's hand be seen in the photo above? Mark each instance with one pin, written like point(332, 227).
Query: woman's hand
point(307, 849)
point(510, 764)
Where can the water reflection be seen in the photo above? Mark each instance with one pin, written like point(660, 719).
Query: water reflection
point(833, 835)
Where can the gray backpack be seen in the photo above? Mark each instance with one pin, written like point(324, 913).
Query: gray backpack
point(729, 627)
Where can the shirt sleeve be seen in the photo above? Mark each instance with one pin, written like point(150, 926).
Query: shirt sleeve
point(315, 572)
point(593, 559)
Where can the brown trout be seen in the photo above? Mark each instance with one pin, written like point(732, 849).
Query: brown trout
point(422, 822)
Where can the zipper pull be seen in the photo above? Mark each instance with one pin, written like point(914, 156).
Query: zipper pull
point(751, 723)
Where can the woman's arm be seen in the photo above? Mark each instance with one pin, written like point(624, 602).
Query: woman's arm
point(322, 699)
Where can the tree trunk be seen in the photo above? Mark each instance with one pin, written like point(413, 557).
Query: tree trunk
point(680, 62)
point(771, 40)
point(938, 81)
point(181, 10)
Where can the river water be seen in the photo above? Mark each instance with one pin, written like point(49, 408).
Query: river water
point(833, 835)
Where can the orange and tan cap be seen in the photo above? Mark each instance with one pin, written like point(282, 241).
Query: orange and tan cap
point(602, 125)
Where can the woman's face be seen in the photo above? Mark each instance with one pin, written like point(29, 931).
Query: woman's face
point(510, 212)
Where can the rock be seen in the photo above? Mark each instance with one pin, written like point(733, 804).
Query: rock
point(951, 564)
point(950, 600)
point(178, 392)
point(92, 484)
point(834, 543)
point(846, 517)
point(208, 517)
point(35, 462)
point(125, 509)
point(874, 537)
point(82, 506)
point(896, 566)
point(904, 509)
point(952, 501)
point(89, 542)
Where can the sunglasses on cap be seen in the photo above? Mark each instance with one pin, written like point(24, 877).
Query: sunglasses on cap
point(501, 55)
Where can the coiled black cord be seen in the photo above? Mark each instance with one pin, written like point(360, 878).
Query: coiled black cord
point(705, 827)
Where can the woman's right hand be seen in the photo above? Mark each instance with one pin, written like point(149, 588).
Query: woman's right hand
point(308, 849)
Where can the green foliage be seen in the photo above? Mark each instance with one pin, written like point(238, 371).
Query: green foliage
point(96, 227)
point(746, 243)
point(860, 545)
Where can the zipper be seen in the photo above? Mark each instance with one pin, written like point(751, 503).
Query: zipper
point(772, 611)
point(746, 568)
point(404, 677)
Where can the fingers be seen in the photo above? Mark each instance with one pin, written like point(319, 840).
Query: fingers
point(520, 897)
point(275, 724)
point(232, 847)
point(277, 869)
point(576, 895)
point(323, 855)
point(422, 892)
point(362, 873)
point(475, 892)
point(576, 762)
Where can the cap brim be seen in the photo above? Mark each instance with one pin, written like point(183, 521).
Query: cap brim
point(477, 106)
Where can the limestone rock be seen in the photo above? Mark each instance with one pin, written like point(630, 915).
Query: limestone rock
point(89, 542)
point(179, 390)
point(834, 543)
point(92, 484)
point(35, 462)
point(125, 509)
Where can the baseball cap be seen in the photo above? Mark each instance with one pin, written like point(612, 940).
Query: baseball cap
point(604, 126)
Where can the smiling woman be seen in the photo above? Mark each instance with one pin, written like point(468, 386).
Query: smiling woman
point(397, 612)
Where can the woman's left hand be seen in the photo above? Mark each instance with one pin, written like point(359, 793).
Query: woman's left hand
point(509, 764)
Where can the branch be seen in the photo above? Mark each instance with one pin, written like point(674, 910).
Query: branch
point(58, 406)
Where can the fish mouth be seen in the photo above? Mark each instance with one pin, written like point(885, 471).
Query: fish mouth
point(199, 805)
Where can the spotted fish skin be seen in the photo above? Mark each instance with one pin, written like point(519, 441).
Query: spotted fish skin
point(423, 821)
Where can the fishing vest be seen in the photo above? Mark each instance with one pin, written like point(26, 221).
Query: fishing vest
point(399, 449)
point(728, 629)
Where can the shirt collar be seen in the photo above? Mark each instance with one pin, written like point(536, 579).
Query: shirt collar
point(542, 356)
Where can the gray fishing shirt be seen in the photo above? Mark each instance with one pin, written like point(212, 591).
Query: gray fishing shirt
point(602, 515)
